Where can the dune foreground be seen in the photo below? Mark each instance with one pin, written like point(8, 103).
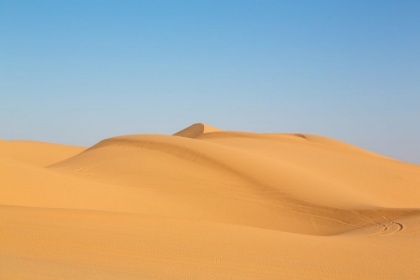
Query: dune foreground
point(207, 204)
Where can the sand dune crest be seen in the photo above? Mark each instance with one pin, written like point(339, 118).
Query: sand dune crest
point(195, 130)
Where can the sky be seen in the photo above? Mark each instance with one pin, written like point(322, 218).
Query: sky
point(76, 72)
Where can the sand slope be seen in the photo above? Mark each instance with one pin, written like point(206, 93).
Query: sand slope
point(208, 204)
point(37, 153)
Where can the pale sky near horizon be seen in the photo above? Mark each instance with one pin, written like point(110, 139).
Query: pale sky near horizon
point(77, 72)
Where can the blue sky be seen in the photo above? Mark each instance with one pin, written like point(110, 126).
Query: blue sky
point(76, 72)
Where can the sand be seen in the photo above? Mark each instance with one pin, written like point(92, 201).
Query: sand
point(207, 204)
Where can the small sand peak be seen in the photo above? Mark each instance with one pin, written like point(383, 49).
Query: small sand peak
point(196, 130)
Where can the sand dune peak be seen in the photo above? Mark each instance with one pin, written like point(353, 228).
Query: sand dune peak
point(196, 129)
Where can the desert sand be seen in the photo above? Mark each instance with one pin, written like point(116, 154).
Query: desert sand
point(207, 204)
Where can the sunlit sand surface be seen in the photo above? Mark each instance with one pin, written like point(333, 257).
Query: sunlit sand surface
point(207, 204)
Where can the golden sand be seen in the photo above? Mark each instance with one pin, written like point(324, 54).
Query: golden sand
point(207, 204)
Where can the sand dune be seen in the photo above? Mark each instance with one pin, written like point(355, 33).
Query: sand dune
point(207, 204)
point(37, 153)
point(196, 130)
